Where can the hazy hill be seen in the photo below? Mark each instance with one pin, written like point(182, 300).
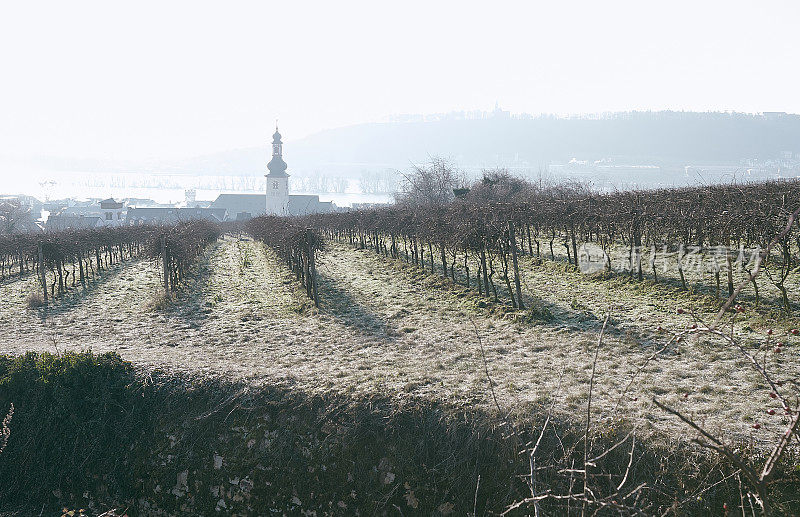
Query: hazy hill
point(671, 138)
point(497, 139)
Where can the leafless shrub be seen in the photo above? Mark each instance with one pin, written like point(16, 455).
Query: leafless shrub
point(602, 490)
point(14, 217)
point(431, 184)
point(784, 391)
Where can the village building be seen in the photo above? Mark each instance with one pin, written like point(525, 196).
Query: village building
point(171, 215)
point(68, 214)
point(240, 206)
point(112, 212)
point(73, 222)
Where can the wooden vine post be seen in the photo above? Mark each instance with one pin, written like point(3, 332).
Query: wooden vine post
point(513, 240)
point(305, 267)
point(42, 277)
point(312, 265)
point(483, 268)
point(165, 261)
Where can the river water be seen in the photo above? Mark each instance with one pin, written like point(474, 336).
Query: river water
point(159, 187)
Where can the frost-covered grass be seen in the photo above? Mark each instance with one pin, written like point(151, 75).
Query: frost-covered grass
point(525, 358)
point(385, 327)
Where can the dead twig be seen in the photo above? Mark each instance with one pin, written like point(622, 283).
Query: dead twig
point(486, 366)
point(589, 415)
point(532, 456)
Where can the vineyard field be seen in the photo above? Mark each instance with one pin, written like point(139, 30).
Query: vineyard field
point(384, 326)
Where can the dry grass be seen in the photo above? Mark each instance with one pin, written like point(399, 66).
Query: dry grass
point(35, 300)
point(161, 301)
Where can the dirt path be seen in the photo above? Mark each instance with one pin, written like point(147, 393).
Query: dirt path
point(382, 329)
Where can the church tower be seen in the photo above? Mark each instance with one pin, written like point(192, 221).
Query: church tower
point(277, 179)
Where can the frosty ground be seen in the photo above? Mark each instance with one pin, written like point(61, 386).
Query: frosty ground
point(385, 327)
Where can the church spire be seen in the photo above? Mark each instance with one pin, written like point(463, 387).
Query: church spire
point(276, 166)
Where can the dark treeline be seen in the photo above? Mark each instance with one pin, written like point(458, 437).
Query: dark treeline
point(66, 259)
point(478, 235)
point(295, 244)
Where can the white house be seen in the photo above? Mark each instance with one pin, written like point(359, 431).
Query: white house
point(111, 212)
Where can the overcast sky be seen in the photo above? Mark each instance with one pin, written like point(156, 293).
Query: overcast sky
point(171, 79)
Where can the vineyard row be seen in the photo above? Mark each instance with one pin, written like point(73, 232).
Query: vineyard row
point(502, 216)
point(294, 243)
point(62, 260)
